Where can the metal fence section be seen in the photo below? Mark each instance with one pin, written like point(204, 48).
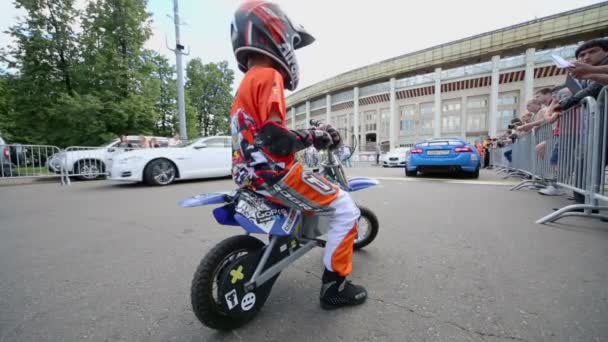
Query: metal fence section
point(571, 154)
point(27, 161)
point(86, 162)
point(581, 159)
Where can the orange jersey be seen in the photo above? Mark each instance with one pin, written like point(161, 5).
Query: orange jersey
point(259, 94)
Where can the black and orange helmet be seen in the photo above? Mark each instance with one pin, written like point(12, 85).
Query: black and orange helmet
point(262, 27)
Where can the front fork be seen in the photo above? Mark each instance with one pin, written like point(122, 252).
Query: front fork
point(280, 252)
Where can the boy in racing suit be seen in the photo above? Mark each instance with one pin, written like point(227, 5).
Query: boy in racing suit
point(264, 41)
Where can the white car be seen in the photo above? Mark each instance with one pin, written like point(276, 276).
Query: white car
point(200, 158)
point(396, 157)
point(92, 162)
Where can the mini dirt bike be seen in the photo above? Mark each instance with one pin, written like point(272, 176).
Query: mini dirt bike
point(236, 276)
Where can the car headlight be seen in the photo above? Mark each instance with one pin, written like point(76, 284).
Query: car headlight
point(130, 159)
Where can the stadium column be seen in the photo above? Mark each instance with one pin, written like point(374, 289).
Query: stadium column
point(463, 117)
point(328, 110)
point(494, 95)
point(293, 117)
point(356, 118)
point(437, 117)
point(392, 116)
point(307, 114)
point(529, 77)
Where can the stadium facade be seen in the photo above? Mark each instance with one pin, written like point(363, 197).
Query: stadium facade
point(468, 88)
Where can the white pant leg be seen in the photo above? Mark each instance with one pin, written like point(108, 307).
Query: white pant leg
point(342, 222)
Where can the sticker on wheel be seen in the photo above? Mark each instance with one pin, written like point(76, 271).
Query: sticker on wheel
point(232, 299)
point(248, 301)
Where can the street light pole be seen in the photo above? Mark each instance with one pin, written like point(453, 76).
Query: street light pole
point(179, 52)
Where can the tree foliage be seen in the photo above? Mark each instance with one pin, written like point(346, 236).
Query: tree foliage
point(209, 89)
point(83, 77)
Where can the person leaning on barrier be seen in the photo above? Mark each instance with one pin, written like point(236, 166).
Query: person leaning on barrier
point(598, 73)
point(543, 116)
point(553, 189)
point(534, 117)
point(154, 143)
point(593, 53)
point(545, 96)
point(124, 142)
point(143, 142)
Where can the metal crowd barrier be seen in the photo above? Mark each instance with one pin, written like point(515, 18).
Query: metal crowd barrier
point(87, 162)
point(44, 161)
point(84, 162)
point(27, 161)
point(570, 154)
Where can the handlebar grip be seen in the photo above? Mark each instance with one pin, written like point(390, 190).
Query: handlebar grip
point(315, 123)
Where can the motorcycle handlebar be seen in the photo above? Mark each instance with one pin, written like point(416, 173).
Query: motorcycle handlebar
point(315, 123)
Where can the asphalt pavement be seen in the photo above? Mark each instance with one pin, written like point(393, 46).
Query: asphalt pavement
point(455, 260)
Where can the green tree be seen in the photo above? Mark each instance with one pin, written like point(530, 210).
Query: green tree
point(7, 113)
point(116, 68)
point(114, 33)
point(209, 88)
point(43, 55)
point(166, 95)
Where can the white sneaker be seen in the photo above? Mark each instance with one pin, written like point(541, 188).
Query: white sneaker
point(551, 191)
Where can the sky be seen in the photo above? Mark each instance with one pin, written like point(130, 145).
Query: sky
point(349, 34)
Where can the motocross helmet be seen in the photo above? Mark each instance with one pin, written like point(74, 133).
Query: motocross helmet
point(262, 27)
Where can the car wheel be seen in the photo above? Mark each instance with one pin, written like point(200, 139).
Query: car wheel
point(409, 173)
point(89, 169)
point(475, 174)
point(160, 172)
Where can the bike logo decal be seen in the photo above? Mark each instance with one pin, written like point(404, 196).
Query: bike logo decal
point(295, 199)
point(232, 299)
point(248, 301)
point(267, 215)
point(288, 225)
point(318, 183)
point(237, 275)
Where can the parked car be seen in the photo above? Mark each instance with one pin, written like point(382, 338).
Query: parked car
point(395, 157)
point(200, 158)
point(452, 155)
point(6, 167)
point(91, 163)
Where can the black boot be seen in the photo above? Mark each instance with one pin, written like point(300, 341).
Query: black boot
point(337, 292)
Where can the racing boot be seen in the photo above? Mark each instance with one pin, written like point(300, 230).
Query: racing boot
point(337, 292)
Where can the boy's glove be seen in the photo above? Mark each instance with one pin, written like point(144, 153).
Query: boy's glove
point(321, 139)
point(335, 135)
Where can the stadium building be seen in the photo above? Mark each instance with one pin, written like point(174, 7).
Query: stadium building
point(467, 88)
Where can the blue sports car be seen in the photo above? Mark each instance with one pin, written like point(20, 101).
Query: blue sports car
point(443, 154)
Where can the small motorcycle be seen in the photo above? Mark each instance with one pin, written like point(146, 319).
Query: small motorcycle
point(234, 279)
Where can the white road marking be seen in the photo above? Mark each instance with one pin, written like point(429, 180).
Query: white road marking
point(445, 180)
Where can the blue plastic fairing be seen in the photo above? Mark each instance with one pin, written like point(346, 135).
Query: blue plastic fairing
point(225, 215)
point(360, 183)
point(203, 199)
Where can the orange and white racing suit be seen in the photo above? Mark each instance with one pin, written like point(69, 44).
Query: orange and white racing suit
point(254, 166)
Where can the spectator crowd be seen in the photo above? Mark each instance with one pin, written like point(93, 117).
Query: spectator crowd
point(586, 77)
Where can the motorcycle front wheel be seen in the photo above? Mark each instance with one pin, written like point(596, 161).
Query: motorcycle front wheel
point(218, 297)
